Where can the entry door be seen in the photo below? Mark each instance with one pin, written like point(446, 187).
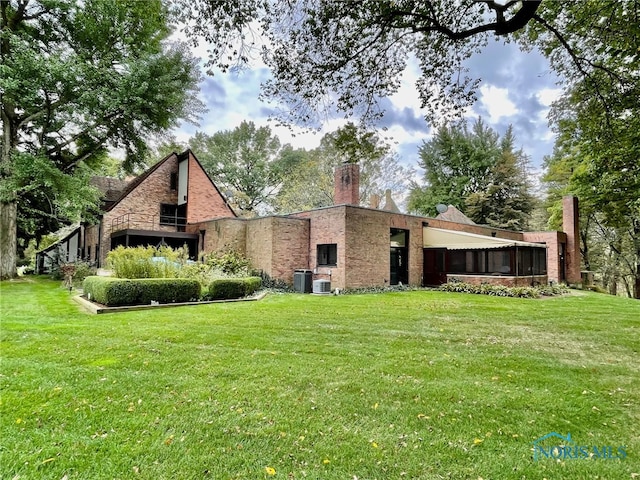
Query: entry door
point(435, 266)
point(399, 271)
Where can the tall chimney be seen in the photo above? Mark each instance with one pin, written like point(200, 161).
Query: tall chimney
point(347, 184)
point(571, 227)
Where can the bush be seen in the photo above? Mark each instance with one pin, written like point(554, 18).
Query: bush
point(230, 263)
point(502, 291)
point(167, 290)
point(112, 292)
point(228, 288)
point(146, 262)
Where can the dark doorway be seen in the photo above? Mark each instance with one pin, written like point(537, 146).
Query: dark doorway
point(399, 257)
point(435, 266)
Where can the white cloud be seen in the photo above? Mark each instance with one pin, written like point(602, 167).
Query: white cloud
point(547, 96)
point(496, 102)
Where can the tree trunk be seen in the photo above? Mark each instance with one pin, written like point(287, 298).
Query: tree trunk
point(636, 245)
point(8, 239)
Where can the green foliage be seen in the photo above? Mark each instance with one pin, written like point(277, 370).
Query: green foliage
point(229, 262)
point(353, 57)
point(146, 262)
point(167, 290)
point(113, 292)
point(477, 172)
point(503, 291)
point(248, 162)
point(110, 291)
point(76, 78)
point(230, 288)
point(311, 183)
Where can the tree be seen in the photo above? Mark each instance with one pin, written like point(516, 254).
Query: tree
point(311, 183)
point(78, 77)
point(598, 125)
point(248, 163)
point(353, 51)
point(347, 54)
point(478, 173)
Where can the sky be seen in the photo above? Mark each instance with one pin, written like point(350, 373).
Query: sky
point(516, 88)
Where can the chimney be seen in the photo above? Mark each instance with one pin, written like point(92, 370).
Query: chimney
point(347, 184)
point(571, 227)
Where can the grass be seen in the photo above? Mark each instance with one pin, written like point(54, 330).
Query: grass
point(424, 385)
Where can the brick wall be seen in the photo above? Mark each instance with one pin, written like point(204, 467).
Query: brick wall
point(221, 234)
point(363, 248)
point(142, 204)
point(327, 226)
point(275, 245)
point(554, 259)
point(347, 184)
point(91, 238)
point(570, 226)
point(204, 201)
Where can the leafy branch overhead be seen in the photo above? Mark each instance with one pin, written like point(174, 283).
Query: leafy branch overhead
point(346, 55)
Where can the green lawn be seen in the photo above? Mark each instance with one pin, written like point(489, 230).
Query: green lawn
point(421, 384)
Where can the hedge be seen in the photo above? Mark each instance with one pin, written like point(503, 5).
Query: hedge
point(227, 288)
point(113, 292)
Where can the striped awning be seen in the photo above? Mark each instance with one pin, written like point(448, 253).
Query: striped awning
point(440, 238)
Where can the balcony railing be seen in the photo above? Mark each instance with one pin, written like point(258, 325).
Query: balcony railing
point(139, 221)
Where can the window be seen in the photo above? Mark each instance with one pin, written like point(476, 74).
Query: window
point(173, 214)
point(174, 181)
point(327, 255)
point(500, 262)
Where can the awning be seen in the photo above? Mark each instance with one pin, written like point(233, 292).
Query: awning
point(453, 240)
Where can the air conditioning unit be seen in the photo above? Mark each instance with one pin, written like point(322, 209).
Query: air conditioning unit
point(321, 287)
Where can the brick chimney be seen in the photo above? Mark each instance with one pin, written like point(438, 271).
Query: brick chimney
point(347, 184)
point(571, 227)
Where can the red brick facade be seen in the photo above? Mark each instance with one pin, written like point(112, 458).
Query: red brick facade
point(204, 200)
point(570, 226)
point(360, 238)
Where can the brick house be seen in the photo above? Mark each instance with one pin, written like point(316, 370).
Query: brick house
point(176, 203)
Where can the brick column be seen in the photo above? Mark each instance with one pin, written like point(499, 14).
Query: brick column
point(571, 227)
point(347, 184)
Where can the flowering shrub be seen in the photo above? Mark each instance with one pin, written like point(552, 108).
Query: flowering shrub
point(502, 291)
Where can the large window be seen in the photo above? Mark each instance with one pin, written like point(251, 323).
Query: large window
point(327, 255)
point(499, 261)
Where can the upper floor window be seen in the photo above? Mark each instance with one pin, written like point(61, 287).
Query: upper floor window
point(174, 181)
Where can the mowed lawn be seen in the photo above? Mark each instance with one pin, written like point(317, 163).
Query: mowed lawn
point(423, 384)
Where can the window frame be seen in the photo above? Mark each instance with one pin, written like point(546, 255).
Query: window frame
point(331, 253)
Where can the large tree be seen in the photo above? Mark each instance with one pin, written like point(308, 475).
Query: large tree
point(311, 183)
point(248, 163)
point(76, 77)
point(477, 172)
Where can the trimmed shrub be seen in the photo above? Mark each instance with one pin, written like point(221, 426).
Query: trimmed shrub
point(228, 288)
point(167, 290)
point(110, 291)
point(113, 292)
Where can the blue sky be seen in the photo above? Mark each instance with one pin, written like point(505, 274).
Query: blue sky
point(517, 88)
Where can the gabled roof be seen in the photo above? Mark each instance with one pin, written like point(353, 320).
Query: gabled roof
point(64, 234)
point(138, 180)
